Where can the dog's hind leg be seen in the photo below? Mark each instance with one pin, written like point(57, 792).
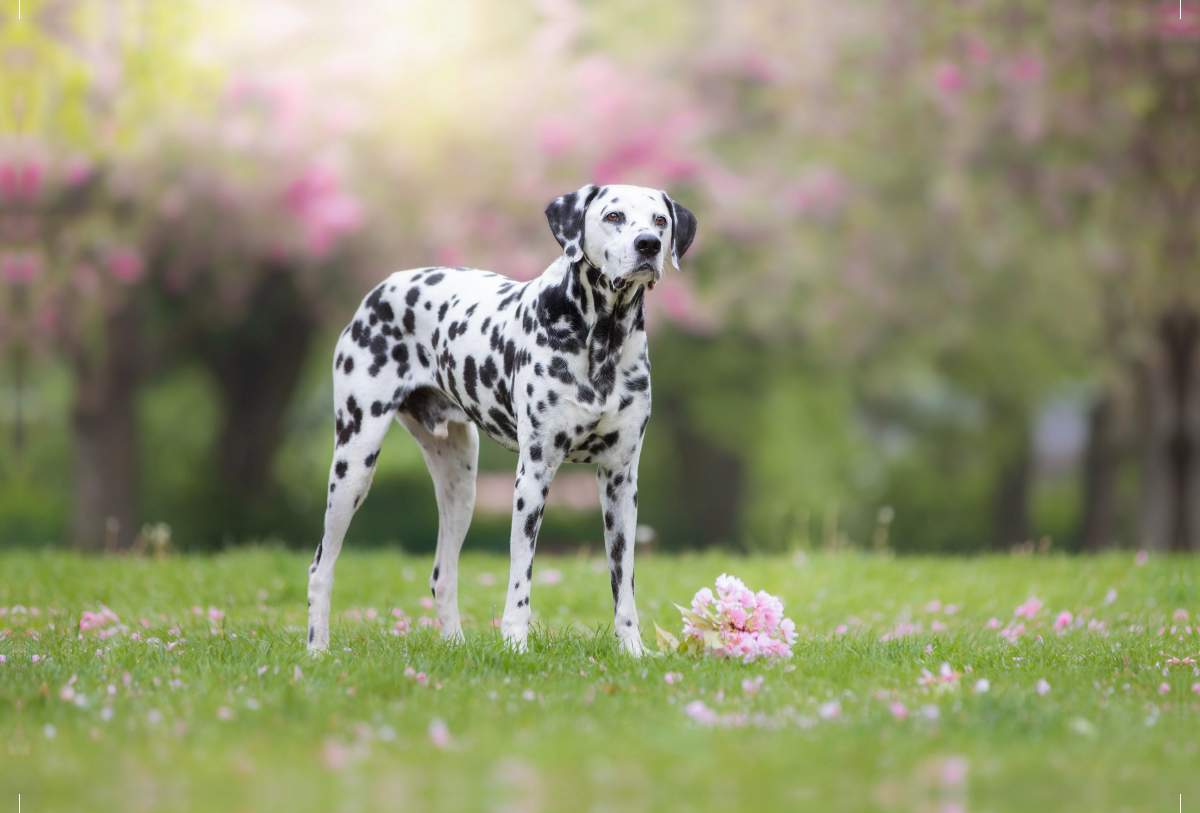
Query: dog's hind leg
point(452, 462)
point(362, 421)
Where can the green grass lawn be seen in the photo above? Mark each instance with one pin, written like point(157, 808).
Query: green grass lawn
point(180, 711)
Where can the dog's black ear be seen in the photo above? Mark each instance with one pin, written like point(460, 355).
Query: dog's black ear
point(683, 229)
point(565, 216)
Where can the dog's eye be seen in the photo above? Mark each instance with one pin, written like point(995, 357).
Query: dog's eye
point(660, 221)
point(612, 217)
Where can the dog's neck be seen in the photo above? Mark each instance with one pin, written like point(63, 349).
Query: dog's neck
point(593, 317)
point(603, 297)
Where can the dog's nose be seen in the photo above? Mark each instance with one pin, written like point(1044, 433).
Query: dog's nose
point(647, 244)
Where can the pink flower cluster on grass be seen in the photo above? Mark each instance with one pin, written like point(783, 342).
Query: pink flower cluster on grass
point(736, 622)
point(90, 620)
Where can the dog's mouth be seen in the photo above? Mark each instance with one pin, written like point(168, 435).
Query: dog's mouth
point(642, 271)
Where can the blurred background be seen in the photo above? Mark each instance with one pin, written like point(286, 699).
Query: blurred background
point(944, 295)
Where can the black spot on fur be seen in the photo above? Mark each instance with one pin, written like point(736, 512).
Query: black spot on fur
point(618, 549)
point(559, 369)
point(469, 377)
point(349, 427)
point(488, 372)
point(371, 458)
point(434, 279)
point(503, 423)
point(560, 316)
point(503, 396)
point(340, 469)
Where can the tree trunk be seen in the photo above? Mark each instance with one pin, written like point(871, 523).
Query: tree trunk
point(257, 366)
point(1010, 505)
point(104, 438)
point(1011, 508)
point(710, 482)
point(1100, 477)
point(1169, 518)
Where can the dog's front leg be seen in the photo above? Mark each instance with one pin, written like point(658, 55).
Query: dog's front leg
point(618, 499)
point(535, 471)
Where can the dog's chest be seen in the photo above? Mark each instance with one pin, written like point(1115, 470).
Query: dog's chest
point(568, 411)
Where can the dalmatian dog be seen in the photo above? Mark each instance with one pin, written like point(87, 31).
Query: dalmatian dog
point(555, 369)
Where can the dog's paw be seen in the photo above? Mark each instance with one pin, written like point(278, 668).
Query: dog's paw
point(516, 641)
point(453, 636)
point(632, 646)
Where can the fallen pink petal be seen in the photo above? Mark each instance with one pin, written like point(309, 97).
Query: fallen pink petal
point(700, 712)
point(439, 734)
point(830, 711)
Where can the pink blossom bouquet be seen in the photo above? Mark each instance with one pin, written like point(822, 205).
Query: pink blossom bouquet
point(736, 622)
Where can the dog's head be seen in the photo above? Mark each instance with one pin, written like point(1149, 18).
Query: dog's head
point(625, 231)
